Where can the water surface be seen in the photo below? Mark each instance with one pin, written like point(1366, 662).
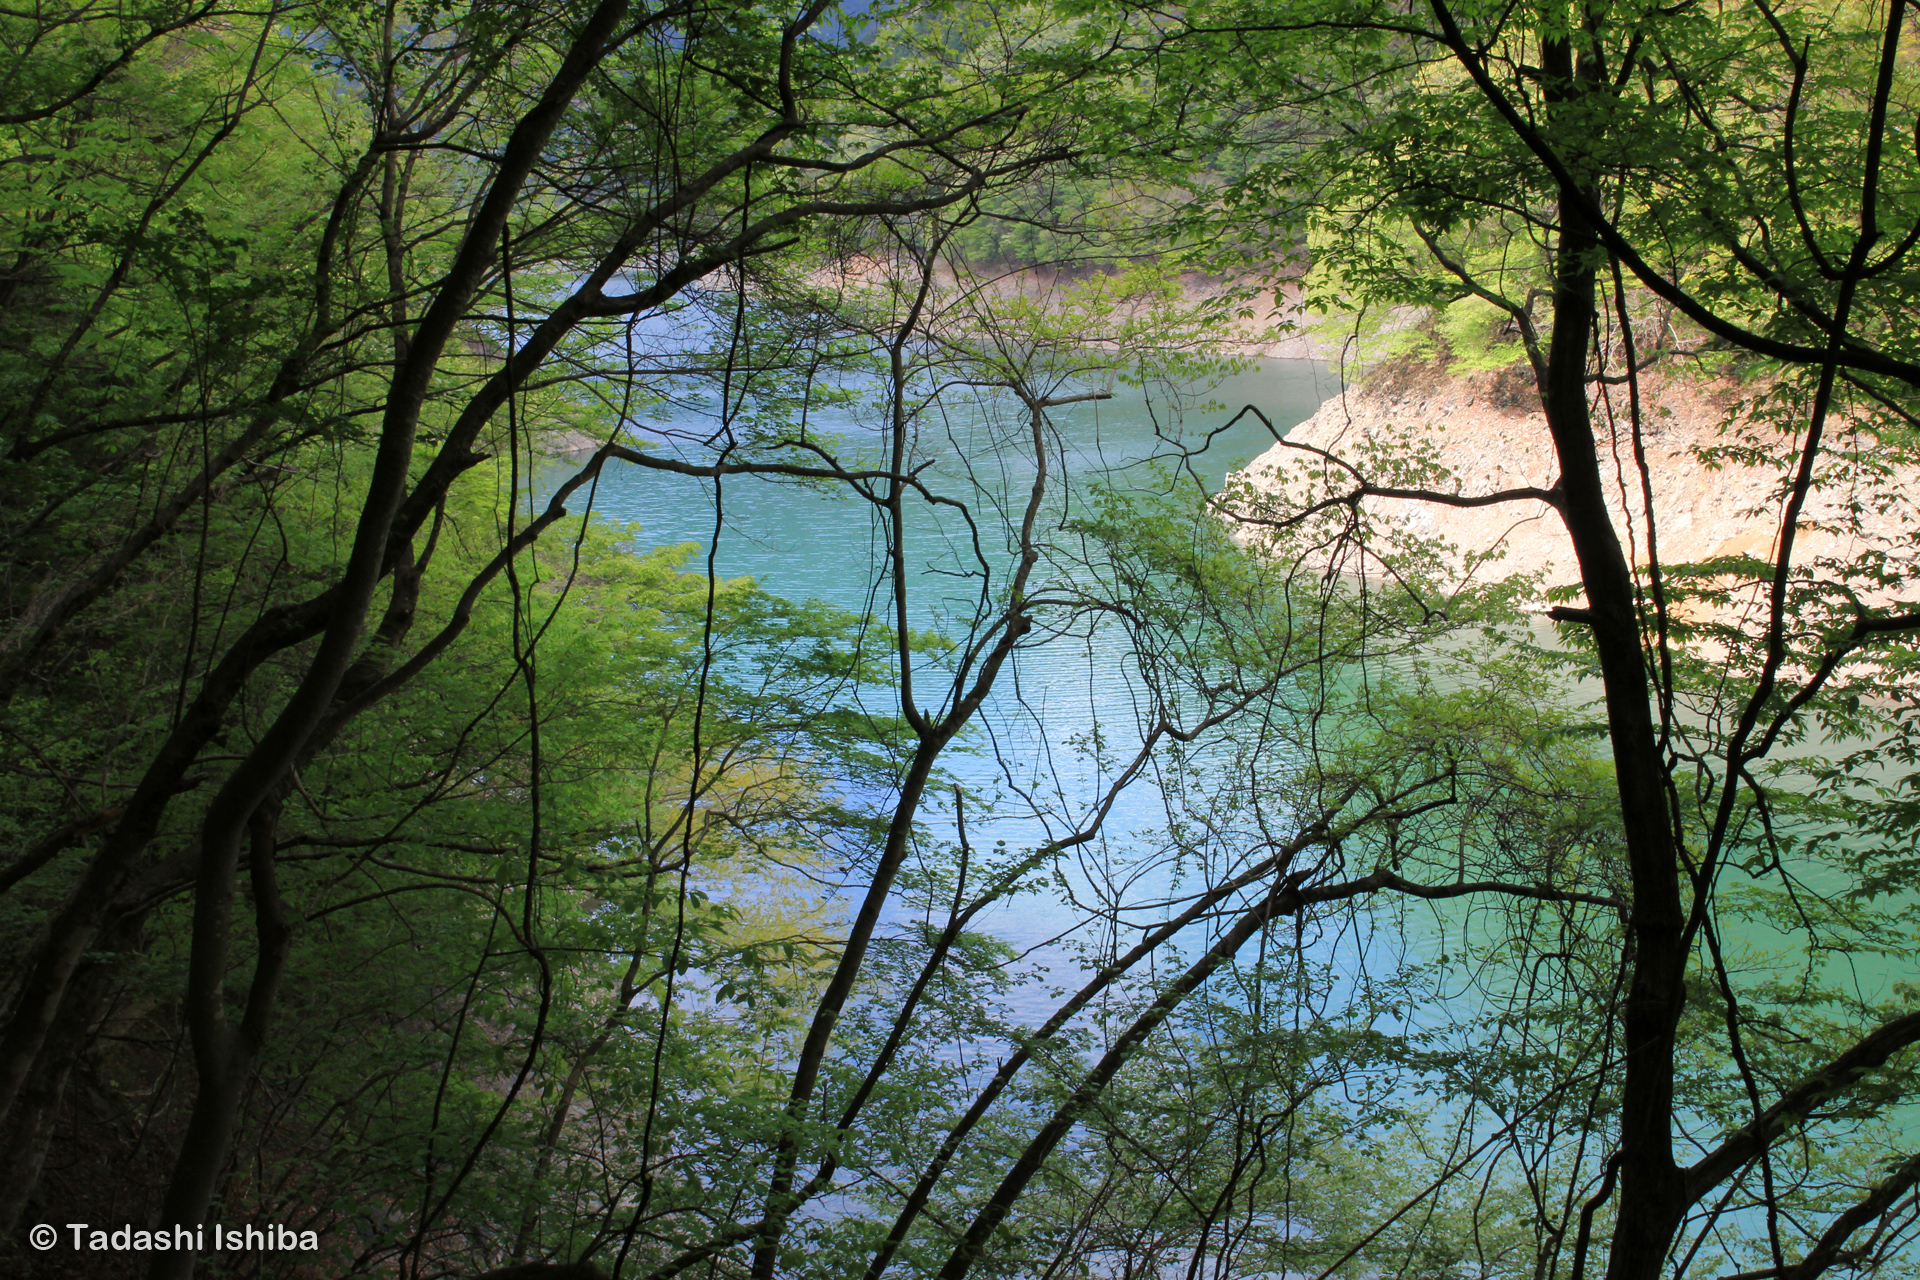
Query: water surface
point(811, 543)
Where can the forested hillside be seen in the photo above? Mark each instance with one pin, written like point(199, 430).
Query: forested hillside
point(404, 858)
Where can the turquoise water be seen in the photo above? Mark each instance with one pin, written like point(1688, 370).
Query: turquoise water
point(804, 544)
point(814, 543)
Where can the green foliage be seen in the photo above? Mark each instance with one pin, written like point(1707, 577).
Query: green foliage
point(597, 907)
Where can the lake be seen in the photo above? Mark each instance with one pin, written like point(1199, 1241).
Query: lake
point(806, 543)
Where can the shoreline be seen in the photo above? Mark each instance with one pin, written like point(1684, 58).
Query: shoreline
point(1486, 435)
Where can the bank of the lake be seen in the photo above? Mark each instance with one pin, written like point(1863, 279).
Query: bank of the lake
point(1487, 435)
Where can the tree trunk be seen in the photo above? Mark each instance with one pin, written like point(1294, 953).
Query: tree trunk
point(223, 1054)
point(28, 1131)
point(1651, 1188)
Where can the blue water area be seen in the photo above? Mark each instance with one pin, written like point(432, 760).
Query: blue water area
point(1028, 757)
point(809, 542)
point(1026, 765)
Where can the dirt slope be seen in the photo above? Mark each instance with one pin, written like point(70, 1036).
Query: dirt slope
point(1485, 432)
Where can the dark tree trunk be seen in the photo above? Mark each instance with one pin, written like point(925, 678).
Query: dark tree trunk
point(1651, 1188)
point(29, 1127)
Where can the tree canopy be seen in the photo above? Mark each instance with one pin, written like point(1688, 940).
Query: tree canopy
point(401, 850)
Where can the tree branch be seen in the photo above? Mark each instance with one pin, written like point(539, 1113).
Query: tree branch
point(1746, 1144)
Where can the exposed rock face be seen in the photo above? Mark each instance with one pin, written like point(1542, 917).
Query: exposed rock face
point(570, 444)
point(1487, 432)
